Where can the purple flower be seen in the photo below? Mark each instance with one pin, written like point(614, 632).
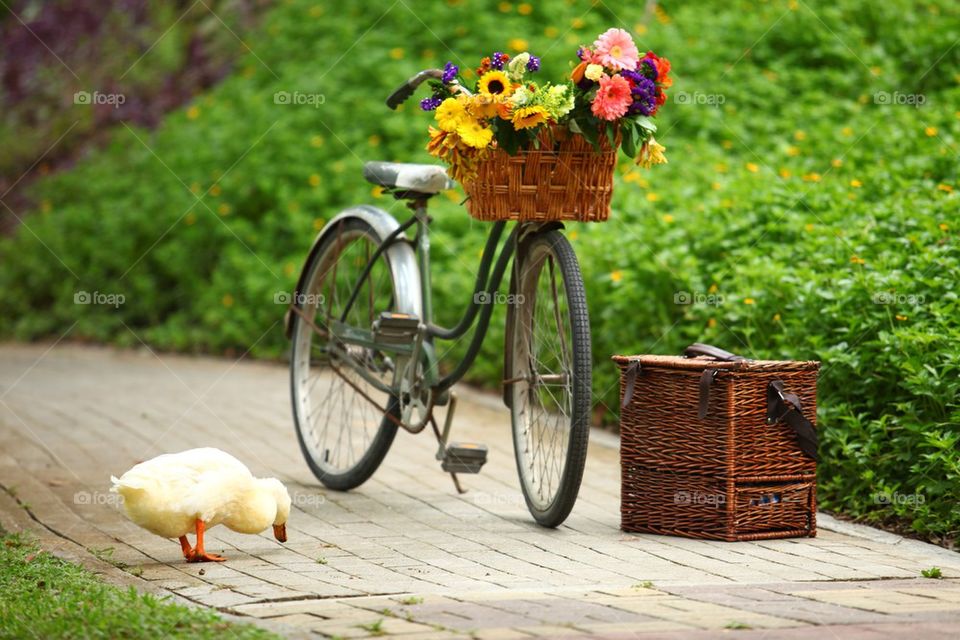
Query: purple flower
point(583, 53)
point(431, 103)
point(644, 94)
point(533, 64)
point(450, 72)
point(498, 60)
point(647, 68)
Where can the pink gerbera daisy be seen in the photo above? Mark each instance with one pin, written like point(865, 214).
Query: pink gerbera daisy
point(613, 98)
point(615, 49)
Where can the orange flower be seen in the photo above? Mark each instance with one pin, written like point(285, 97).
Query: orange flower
point(577, 74)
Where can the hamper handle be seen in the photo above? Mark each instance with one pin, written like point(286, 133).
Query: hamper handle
point(701, 349)
point(785, 407)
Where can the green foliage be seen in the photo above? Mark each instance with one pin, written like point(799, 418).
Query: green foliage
point(809, 210)
point(933, 572)
point(42, 596)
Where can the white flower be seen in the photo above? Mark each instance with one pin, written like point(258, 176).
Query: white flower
point(521, 97)
point(518, 66)
point(593, 72)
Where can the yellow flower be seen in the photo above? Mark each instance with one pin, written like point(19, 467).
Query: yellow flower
point(945, 187)
point(793, 151)
point(652, 197)
point(227, 300)
point(847, 131)
point(785, 173)
point(505, 7)
point(776, 317)
point(377, 192)
point(593, 72)
point(215, 190)
point(713, 288)
point(667, 218)
point(712, 322)
point(800, 136)
point(190, 219)
point(930, 131)
point(223, 209)
point(856, 184)
point(944, 226)
point(640, 28)
point(551, 32)
point(316, 141)
point(193, 112)
point(396, 53)
point(450, 114)
point(573, 235)
point(651, 153)
point(857, 260)
point(809, 226)
point(752, 167)
point(374, 141)
point(314, 180)
point(727, 144)
point(812, 177)
point(318, 224)
point(716, 186)
point(901, 318)
point(616, 276)
point(493, 83)
point(748, 301)
point(525, 9)
point(528, 117)
point(577, 23)
point(474, 134)
point(836, 163)
point(518, 44)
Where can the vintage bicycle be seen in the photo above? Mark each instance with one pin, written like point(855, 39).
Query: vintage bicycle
point(364, 342)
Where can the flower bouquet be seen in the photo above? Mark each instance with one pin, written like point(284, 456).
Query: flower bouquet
point(526, 150)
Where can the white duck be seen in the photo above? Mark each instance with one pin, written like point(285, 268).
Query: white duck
point(178, 493)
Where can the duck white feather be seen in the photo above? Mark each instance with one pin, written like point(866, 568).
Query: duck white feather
point(179, 493)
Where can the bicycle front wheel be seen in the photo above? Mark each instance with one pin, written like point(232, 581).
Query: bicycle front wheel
point(549, 376)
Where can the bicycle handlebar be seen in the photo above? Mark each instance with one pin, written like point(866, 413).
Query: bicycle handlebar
point(404, 91)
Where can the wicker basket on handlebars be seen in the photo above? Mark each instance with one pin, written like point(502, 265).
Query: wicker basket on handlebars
point(566, 178)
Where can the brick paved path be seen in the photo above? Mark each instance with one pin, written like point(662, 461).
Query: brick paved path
point(404, 554)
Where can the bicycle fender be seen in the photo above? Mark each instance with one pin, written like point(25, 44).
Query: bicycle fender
point(403, 263)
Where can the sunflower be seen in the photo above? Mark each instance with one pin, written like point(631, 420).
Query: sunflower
point(474, 134)
point(528, 117)
point(495, 83)
point(450, 114)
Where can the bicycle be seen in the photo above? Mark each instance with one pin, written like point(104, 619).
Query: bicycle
point(364, 362)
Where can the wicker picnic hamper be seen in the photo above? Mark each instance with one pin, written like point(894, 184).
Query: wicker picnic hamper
point(565, 179)
point(717, 446)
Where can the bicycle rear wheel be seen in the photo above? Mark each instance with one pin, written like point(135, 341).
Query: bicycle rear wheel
point(550, 375)
point(342, 434)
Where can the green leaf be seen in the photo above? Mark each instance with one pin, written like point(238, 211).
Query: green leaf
point(647, 123)
point(629, 147)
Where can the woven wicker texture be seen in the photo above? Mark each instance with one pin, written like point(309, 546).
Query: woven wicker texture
point(670, 503)
point(663, 440)
point(565, 179)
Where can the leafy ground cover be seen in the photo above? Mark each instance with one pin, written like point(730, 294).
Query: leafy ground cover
point(809, 210)
point(42, 596)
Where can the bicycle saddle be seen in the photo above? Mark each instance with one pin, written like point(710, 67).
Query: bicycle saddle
point(427, 179)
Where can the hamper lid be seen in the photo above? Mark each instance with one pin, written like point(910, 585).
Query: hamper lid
point(699, 363)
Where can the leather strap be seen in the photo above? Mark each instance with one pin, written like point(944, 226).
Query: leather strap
point(785, 407)
point(706, 379)
point(631, 380)
point(700, 349)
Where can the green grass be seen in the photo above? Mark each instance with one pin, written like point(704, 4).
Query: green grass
point(805, 215)
point(44, 597)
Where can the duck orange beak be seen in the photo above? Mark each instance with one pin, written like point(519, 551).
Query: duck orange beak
point(280, 532)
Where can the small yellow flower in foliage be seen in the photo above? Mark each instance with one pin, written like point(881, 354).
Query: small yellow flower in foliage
point(616, 276)
point(573, 235)
point(525, 9)
point(712, 322)
point(195, 188)
point(748, 301)
point(293, 207)
point(640, 28)
point(662, 16)
point(793, 151)
point(631, 176)
point(776, 317)
point(901, 318)
point(809, 226)
point(316, 11)
point(857, 260)
point(727, 144)
point(396, 53)
point(289, 268)
point(836, 163)
point(224, 209)
point(505, 7)
point(720, 167)
point(651, 153)
point(577, 23)
point(339, 166)
point(667, 218)
point(793, 5)
point(318, 224)
point(317, 141)
point(373, 141)
point(713, 288)
point(314, 180)
point(45, 206)
point(652, 197)
point(752, 167)
point(799, 136)
point(377, 192)
point(193, 112)
point(847, 131)
point(876, 70)
point(930, 131)
point(945, 187)
point(227, 300)
point(518, 44)
point(452, 195)
point(716, 186)
point(944, 226)
point(428, 54)
point(856, 184)
point(215, 190)
point(785, 173)
point(551, 32)
point(812, 177)
point(190, 219)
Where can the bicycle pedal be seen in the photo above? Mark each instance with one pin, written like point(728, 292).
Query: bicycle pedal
point(396, 327)
point(464, 457)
